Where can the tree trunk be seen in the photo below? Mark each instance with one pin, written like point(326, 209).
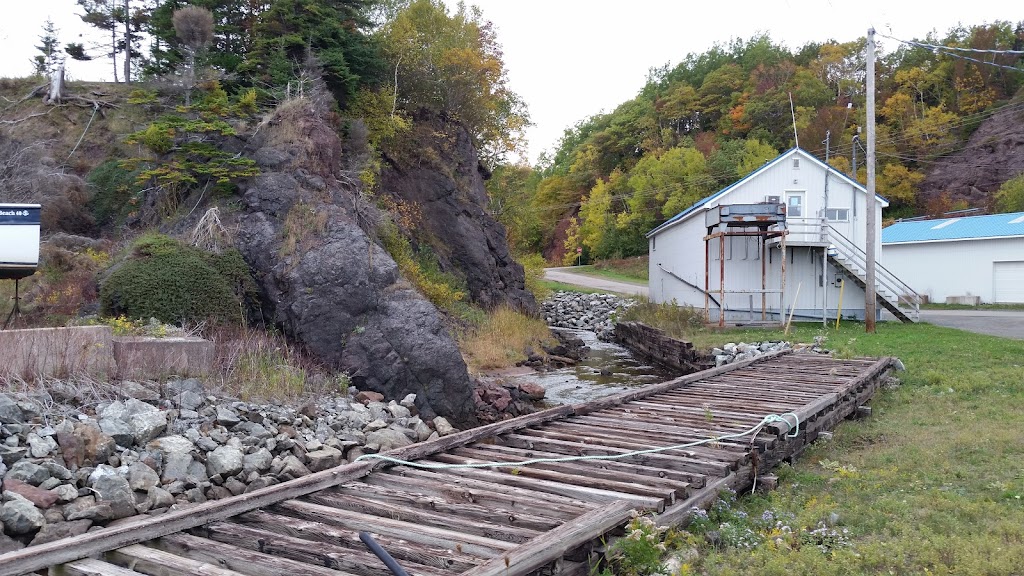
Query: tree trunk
point(55, 95)
point(127, 44)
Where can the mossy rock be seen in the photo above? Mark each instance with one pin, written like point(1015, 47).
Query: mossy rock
point(175, 283)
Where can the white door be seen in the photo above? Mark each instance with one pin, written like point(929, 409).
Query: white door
point(801, 226)
point(1008, 281)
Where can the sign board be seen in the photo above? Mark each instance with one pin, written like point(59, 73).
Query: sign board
point(19, 240)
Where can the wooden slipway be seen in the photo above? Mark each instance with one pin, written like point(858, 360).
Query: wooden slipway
point(490, 521)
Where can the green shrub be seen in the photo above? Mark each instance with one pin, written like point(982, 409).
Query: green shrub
point(533, 268)
point(441, 289)
point(114, 188)
point(164, 279)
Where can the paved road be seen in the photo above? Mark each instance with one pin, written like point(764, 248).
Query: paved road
point(1005, 323)
point(567, 276)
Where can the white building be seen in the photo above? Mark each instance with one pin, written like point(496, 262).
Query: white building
point(824, 249)
point(980, 256)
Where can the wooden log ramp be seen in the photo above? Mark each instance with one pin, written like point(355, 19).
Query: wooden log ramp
point(487, 520)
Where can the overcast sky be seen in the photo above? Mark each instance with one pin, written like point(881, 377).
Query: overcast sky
point(570, 59)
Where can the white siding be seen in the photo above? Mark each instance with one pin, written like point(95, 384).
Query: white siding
point(679, 248)
point(953, 268)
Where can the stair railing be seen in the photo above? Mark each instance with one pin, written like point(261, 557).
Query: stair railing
point(883, 277)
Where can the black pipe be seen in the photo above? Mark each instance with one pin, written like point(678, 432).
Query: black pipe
point(382, 554)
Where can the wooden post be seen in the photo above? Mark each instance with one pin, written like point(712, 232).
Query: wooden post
point(869, 202)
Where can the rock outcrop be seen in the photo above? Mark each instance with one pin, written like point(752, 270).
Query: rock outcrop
point(327, 283)
point(443, 180)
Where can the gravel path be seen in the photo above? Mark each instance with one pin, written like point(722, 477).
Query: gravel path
point(567, 276)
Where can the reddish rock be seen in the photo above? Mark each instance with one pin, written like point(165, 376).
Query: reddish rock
point(367, 396)
point(41, 498)
point(532, 391)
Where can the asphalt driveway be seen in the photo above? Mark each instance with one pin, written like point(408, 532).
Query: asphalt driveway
point(1005, 323)
point(567, 275)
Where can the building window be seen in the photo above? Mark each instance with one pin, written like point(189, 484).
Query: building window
point(654, 243)
point(796, 163)
point(794, 206)
point(837, 214)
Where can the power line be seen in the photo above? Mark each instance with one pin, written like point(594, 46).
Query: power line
point(934, 47)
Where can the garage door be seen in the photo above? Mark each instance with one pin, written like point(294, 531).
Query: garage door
point(1009, 281)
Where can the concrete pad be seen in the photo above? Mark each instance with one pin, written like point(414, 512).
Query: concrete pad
point(140, 357)
point(56, 352)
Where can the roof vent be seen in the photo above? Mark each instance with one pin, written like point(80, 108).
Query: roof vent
point(944, 224)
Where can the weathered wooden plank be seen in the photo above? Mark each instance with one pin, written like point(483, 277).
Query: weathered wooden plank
point(574, 478)
point(453, 520)
point(149, 527)
point(155, 562)
point(496, 515)
point(430, 535)
point(91, 567)
point(456, 490)
point(332, 556)
point(248, 562)
point(593, 495)
point(403, 550)
point(554, 544)
point(674, 477)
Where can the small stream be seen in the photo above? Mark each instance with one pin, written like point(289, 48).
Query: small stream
point(607, 369)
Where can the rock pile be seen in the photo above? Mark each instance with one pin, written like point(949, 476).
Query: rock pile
point(170, 446)
point(733, 352)
point(594, 312)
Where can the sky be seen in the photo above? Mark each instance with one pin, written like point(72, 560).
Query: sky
point(571, 59)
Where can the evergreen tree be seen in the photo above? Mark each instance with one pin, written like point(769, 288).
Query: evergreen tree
point(49, 58)
point(124, 21)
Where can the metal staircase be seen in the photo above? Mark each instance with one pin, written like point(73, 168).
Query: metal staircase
point(891, 292)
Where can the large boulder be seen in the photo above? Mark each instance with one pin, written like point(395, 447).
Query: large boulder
point(327, 283)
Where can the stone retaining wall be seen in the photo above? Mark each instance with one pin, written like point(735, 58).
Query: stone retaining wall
point(56, 352)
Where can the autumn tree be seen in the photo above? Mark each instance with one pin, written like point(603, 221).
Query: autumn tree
point(1010, 196)
point(452, 64)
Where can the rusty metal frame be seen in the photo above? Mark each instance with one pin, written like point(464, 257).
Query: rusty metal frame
point(762, 235)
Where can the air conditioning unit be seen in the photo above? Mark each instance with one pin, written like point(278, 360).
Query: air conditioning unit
point(19, 240)
point(773, 200)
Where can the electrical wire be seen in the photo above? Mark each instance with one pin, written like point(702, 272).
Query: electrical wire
point(955, 48)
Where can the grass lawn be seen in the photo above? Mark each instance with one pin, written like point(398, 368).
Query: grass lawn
point(931, 483)
point(633, 270)
point(940, 306)
point(556, 286)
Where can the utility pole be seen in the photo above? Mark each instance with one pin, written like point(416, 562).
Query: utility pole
point(870, 202)
point(824, 236)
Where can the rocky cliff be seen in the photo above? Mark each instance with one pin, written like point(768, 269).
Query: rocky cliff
point(993, 154)
point(328, 284)
point(437, 173)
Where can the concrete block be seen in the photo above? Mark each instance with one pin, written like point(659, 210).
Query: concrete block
point(964, 300)
point(56, 352)
point(141, 357)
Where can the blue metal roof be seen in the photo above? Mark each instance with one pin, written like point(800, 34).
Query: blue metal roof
point(965, 228)
point(682, 215)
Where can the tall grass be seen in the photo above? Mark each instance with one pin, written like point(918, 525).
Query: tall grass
point(255, 364)
point(504, 338)
point(681, 322)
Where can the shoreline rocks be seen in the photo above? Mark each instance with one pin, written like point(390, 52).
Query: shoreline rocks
point(67, 468)
point(594, 312)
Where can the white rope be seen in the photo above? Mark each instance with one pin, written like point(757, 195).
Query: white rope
point(769, 419)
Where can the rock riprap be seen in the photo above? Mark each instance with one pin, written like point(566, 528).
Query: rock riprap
point(738, 352)
point(594, 312)
point(67, 468)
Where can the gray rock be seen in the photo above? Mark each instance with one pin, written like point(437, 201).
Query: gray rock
point(65, 493)
point(409, 401)
point(169, 444)
point(227, 417)
point(443, 427)
point(57, 471)
point(398, 411)
point(258, 461)
point(146, 426)
point(253, 429)
point(101, 513)
point(19, 516)
point(206, 444)
point(225, 461)
point(28, 472)
point(325, 458)
point(119, 430)
point(139, 391)
point(420, 427)
point(40, 447)
point(141, 477)
point(386, 439)
point(9, 455)
point(54, 532)
point(50, 483)
point(10, 412)
point(113, 489)
point(8, 544)
point(375, 425)
point(176, 466)
point(292, 467)
point(234, 486)
point(159, 498)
